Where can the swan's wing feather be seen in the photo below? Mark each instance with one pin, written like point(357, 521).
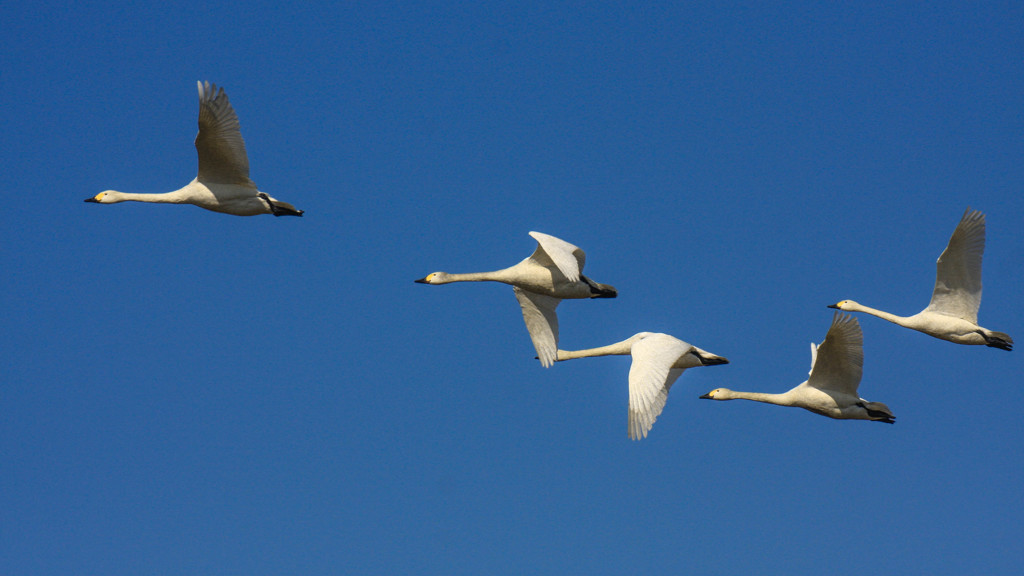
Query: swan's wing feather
point(840, 357)
point(814, 356)
point(541, 322)
point(958, 276)
point(569, 259)
point(222, 157)
point(650, 377)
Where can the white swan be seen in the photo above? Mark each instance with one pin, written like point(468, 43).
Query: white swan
point(831, 388)
point(223, 183)
point(658, 360)
point(552, 273)
point(953, 312)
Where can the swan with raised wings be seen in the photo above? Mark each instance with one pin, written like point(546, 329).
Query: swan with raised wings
point(831, 388)
point(554, 272)
point(222, 184)
point(953, 312)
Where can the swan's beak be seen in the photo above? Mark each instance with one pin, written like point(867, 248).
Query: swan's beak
point(420, 281)
point(836, 306)
point(93, 199)
point(707, 396)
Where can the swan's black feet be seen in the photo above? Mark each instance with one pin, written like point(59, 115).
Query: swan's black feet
point(710, 360)
point(266, 198)
point(877, 415)
point(279, 208)
point(599, 290)
point(994, 342)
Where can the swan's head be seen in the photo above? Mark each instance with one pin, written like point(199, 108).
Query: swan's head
point(105, 197)
point(434, 278)
point(844, 305)
point(718, 394)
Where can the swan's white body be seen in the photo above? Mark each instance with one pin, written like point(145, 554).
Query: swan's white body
point(953, 312)
point(658, 361)
point(831, 388)
point(222, 184)
point(553, 272)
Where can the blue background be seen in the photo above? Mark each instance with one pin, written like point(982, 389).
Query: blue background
point(185, 392)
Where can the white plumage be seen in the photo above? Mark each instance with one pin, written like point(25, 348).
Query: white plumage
point(952, 313)
point(831, 387)
point(222, 183)
point(658, 361)
point(553, 272)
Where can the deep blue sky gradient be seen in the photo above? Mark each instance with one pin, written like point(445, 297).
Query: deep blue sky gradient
point(185, 392)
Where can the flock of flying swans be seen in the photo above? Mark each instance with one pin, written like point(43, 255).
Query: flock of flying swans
point(554, 272)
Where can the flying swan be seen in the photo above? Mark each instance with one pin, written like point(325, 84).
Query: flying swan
point(223, 183)
point(551, 274)
point(831, 388)
point(658, 360)
point(953, 312)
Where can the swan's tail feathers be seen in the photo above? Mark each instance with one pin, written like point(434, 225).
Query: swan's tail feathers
point(998, 340)
point(707, 358)
point(879, 412)
point(600, 290)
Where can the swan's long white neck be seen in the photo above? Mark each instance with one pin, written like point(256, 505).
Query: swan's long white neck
point(855, 307)
point(784, 399)
point(494, 276)
point(175, 197)
point(618, 349)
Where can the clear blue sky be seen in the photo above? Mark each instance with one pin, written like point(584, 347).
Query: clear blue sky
point(185, 392)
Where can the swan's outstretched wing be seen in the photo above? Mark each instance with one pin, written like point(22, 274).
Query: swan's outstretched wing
point(222, 157)
point(569, 259)
point(840, 357)
point(958, 277)
point(650, 377)
point(541, 322)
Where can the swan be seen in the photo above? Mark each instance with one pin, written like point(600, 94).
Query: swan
point(953, 312)
point(658, 360)
point(551, 274)
point(223, 183)
point(831, 388)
